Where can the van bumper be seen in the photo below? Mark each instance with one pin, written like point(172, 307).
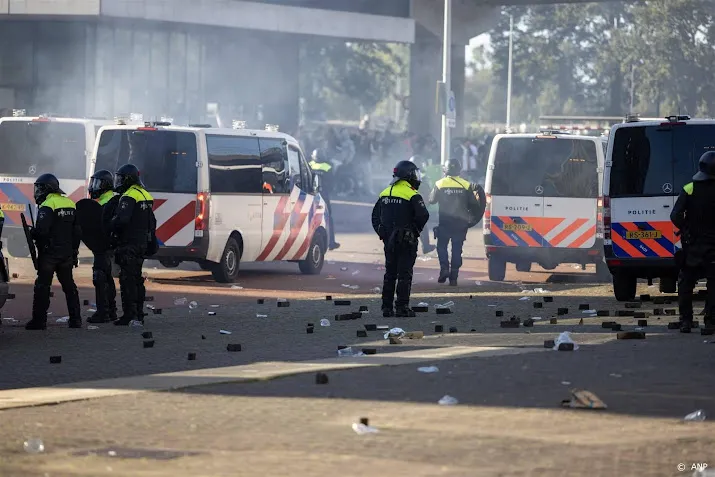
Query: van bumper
point(545, 255)
point(195, 252)
point(641, 267)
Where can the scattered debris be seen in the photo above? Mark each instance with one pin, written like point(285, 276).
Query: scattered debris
point(342, 302)
point(395, 333)
point(582, 399)
point(395, 341)
point(553, 321)
point(348, 352)
point(603, 313)
point(181, 302)
point(589, 312)
point(607, 325)
point(499, 313)
point(55, 359)
point(224, 332)
point(548, 299)
point(309, 330)
point(282, 303)
point(538, 304)
point(697, 416)
point(415, 335)
point(261, 301)
point(642, 323)
point(321, 378)
point(634, 304)
point(34, 446)
point(420, 309)
point(631, 335)
point(549, 344)
point(361, 334)
point(212, 313)
point(368, 351)
point(193, 305)
point(438, 328)
point(343, 269)
point(362, 429)
point(428, 369)
point(444, 311)
point(233, 348)
point(616, 327)
point(192, 357)
point(325, 322)
point(453, 329)
point(584, 306)
point(258, 315)
point(370, 327)
point(564, 338)
point(147, 335)
point(149, 344)
point(562, 311)
point(447, 401)
point(528, 323)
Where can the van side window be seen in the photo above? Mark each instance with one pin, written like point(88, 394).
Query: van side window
point(274, 161)
point(234, 164)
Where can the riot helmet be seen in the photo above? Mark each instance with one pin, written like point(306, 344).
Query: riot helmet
point(407, 171)
point(101, 182)
point(707, 167)
point(45, 185)
point(125, 177)
point(318, 155)
point(453, 167)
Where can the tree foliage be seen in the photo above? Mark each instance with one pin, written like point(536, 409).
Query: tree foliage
point(586, 59)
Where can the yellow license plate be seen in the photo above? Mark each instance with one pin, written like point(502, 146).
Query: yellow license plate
point(643, 234)
point(517, 227)
point(12, 207)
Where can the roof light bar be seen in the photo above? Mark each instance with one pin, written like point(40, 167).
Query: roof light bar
point(272, 127)
point(16, 113)
point(236, 124)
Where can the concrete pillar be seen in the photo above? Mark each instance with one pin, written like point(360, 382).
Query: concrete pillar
point(425, 72)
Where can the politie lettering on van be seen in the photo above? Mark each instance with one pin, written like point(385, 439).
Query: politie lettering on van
point(648, 163)
point(542, 192)
point(223, 196)
point(31, 146)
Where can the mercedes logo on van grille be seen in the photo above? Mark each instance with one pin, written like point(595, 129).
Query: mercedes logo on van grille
point(33, 170)
point(667, 188)
point(539, 190)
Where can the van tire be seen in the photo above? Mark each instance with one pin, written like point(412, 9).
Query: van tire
point(226, 271)
point(497, 269)
point(668, 284)
point(169, 262)
point(624, 286)
point(523, 267)
point(206, 265)
point(313, 263)
point(17, 248)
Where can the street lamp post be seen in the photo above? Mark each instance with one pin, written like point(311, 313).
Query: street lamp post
point(509, 72)
point(446, 75)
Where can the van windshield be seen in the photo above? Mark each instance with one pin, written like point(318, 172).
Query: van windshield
point(552, 167)
point(166, 159)
point(32, 148)
point(657, 160)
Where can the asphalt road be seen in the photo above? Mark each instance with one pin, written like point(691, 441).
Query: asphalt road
point(260, 411)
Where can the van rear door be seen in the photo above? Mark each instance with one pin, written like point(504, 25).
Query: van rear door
point(571, 193)
point(167, 160)
point(642, 191)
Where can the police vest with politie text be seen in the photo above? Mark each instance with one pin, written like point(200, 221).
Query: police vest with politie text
point(56, 230)
point(401, 208)
point(134, 219)
point(458, 206)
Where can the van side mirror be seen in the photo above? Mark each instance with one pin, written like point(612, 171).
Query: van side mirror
point(316, 183)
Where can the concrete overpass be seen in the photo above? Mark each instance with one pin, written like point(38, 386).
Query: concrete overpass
point(107, 57)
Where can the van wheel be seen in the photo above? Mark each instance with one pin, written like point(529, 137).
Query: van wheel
point(624, 286)
point(226, 271)
point(667, 285)
point(497, 269)
point(313, 263)
point(523, 267)
point(206, 265)
point(169, 262)
point(603, 274)
point(18, 249)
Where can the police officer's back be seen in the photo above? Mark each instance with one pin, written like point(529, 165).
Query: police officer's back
point(101, 189)
point(398, 218)
point(459, 210)
point(320, 166)
point(693, 215)
point(57, 236)
point(133, 227)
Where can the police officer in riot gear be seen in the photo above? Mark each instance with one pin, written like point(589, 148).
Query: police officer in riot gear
point(57, 236)
point(425, 187)
point(398, 218)
point(459, 210)
point(320, 165)
point(133, 227)
point(101, 189)
point(693, 214)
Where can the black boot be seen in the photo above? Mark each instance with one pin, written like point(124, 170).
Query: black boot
point(36, 324)
point(443, 275)
point(101, 317)
point(686, 325)
point(453, 277)
point(404, 312)
point(387, 311)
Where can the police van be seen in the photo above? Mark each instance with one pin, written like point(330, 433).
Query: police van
point(223, 196)
point(34, 145)
point(542, 191)
point(648, 163)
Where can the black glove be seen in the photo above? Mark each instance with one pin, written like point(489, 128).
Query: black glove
point(75, 259)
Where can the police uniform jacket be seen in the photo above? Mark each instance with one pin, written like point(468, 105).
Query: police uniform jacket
point(57, 232)
point(693, 215)
point(458, 207)
point(325, 171)
point(2, 221)
point(133, 219)
point(399, 207)
point(108, 201)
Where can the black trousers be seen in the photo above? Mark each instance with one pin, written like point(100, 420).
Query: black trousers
point(399, 268)
point(130, 259)
point(457, 236)
point(104, 289)
point(687, 280)
point(331, 227)
point(47, 267)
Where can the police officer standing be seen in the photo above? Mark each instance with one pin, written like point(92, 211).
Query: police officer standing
point(320, 166)
point(101, 189)
point(57, 236)
point(398, 218)
point(459, 210)
point(133, 227)
point(693, 214)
